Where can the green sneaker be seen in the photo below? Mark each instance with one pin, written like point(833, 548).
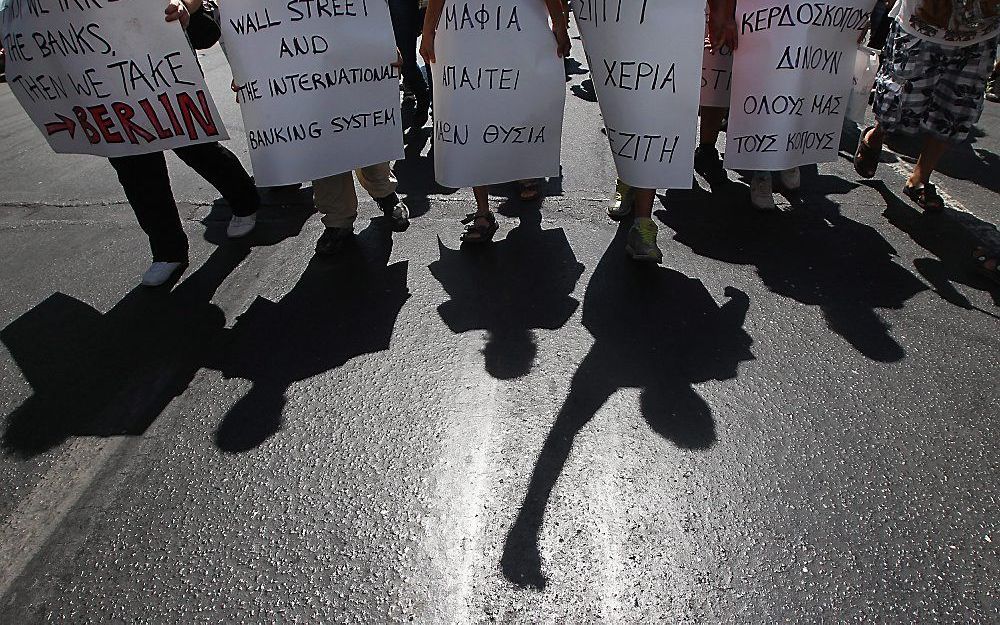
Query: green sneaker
point(621, 204)
point(641, 241)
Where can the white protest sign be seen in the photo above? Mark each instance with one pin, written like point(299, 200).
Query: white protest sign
point(645, 59)
point(716, 76)
point(792, 76)
point(499, 93)
point(106, 78)
point(316, 86)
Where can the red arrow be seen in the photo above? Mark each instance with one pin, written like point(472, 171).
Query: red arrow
point(65, 124)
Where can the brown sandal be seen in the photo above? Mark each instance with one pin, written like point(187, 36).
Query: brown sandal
point(926, 197)
point(478, 232)
point(866, 158)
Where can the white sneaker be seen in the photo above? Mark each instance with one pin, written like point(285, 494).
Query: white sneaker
point(791, 180)
point(158, 273)
point(241, 226)
point(761, 191)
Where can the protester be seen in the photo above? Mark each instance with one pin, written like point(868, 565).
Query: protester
point(481, 226)
point(336, 198)
point(146, 183)
point(640, 241)
point(407, 20)
point(932, 82)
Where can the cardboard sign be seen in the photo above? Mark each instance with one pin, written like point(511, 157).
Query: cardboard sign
point(716, 76)
point(316, 86)
point(792, 77)
point(111, 79)
point(645, 58)
point(499, 93)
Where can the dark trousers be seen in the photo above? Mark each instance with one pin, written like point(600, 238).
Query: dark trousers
point(407, 24)
point(147, 187)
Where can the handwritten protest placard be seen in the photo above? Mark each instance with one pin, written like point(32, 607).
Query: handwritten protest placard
point(499, 93)
point(106, 78)
point(316, 86)
point(792, 75)
point(716, 76)
point(645, 58)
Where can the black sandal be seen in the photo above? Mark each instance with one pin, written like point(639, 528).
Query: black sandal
point(926, 197)
point(983, 262)
point(866, 158)
point(529, 190)
point(478, 232)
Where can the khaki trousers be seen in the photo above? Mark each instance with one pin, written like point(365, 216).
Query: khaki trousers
point(337, 200)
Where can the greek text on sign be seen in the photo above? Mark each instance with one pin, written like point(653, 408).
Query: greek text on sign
point(792, 78)
point(645, 59)
point(111, 79)
point(499, 93)
point(315, 84)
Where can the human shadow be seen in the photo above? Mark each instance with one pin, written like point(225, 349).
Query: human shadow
point(654, 329)
point(948, 241)
point(811, 254)
point(112, 374)
point(962, 162)
point(510, 288)
point(340, 308)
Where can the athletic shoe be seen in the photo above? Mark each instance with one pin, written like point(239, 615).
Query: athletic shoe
point(159, 272)
point(239, 227)
point(790, 179)
point(395, 211)
point(621, 204)
point(641, 241)
point(708, 163)
point(761, 191)
point(333, 240)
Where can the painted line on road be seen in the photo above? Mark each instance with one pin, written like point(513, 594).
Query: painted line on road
point(30, 526)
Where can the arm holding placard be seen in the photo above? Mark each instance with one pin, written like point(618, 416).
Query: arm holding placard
point(722, 24)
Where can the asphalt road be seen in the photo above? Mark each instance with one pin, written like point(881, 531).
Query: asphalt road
point(795, 419)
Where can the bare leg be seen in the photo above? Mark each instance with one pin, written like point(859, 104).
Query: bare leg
point(643, 199)
point(711, 121)
point(482, 199)
point(930, 155)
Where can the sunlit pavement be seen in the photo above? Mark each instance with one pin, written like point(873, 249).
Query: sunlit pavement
point(794, 419)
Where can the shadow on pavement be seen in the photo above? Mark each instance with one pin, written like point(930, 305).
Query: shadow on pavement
point(811, 254)
point(113, 374)
point(510, 288)
point(948, 241)
point(657, 330)
point(341, 308)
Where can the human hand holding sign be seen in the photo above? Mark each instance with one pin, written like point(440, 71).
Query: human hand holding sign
point(181, 10)
point(722, 28)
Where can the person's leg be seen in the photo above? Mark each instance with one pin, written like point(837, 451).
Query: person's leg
point(934, 148)
point(336, 199)
point(641, 239)
point(707, 161)
point(481, 225)
point(223, 170)
point(380, 183)
point(147, 187)
point(711, 122)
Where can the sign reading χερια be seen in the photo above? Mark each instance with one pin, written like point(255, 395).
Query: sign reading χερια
point(106, 78)
point(499, 93)
point(316, 85)
point(792, 75)
point(645, 58)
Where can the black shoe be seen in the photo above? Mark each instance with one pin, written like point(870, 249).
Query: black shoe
point(395, 211)
point(333, 240)
point(708, 163)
